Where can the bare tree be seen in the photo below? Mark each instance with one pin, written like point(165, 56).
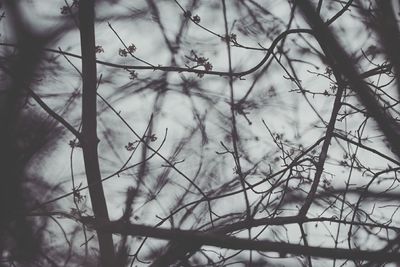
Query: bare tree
point(200, 133)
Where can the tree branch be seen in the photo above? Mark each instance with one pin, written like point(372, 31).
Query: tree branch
point(346, 67)
point(89, 125)
point(192, 237)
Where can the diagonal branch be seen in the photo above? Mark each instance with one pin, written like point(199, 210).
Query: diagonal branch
point(346, 67)
point(389, 32)
point(53, 114)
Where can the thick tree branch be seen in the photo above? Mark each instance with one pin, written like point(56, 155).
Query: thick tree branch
point(390, 35)
point(346, 67)
point(222, 241)
point(89, 125)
